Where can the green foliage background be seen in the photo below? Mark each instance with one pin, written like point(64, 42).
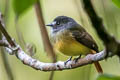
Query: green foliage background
point(29, 28)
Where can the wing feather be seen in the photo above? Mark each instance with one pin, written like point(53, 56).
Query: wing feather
point(83, 37)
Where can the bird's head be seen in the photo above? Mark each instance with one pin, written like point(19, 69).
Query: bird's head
point(61, 22)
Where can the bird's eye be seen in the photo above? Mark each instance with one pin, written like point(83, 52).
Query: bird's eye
point(58, 23)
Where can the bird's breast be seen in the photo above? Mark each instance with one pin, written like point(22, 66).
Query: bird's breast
point(67, 45)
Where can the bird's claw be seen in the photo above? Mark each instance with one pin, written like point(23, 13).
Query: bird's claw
point(68, 60)
point(76, 59)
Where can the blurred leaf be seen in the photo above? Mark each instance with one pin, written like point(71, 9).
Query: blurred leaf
point(22, 5)
point(107, 77)
point(116, 2)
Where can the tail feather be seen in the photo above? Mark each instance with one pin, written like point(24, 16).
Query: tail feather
point(97, 65)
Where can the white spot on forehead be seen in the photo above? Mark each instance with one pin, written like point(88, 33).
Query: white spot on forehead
point(53, 23)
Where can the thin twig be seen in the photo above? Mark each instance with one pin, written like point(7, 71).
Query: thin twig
point(51, 75)
point(4, 32)
point(47, 44)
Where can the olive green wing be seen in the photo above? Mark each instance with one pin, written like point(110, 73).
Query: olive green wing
point(80, 34)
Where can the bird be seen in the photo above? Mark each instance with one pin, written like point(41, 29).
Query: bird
point(71, 39)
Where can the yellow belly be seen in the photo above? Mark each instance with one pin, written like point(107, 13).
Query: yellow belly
point(71, 47)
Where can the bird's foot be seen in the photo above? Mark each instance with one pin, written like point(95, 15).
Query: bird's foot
point(68, 60)
point(76, 59)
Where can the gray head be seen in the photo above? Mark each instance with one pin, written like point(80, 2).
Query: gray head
point(62, 22)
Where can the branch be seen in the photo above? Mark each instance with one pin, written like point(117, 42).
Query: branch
point(112, 45)
point(96, 21)
point(60, 65)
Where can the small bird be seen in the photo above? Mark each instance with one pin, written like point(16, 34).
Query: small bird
point(71, 39)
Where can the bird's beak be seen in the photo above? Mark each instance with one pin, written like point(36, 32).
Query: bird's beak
point(51, 24)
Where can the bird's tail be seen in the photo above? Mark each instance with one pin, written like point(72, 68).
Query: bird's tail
point(97, 64)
